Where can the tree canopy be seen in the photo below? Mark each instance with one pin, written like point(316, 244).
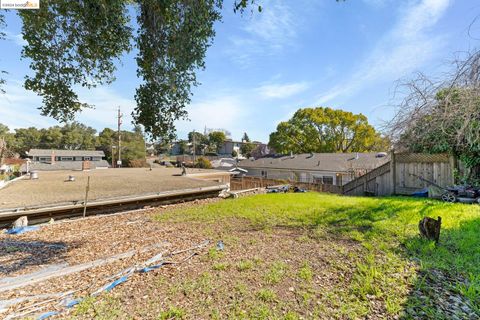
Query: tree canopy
point(326, 130)
point(75, 136)
point(216, 139)
point(443, 115)
point(75, 44)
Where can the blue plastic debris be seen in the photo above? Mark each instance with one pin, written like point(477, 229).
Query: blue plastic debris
point(72, 303)
point(147, 269)
point(421, 193)
point(220, 245)
point(21, 230)
point(116, 283)
point(47, 314)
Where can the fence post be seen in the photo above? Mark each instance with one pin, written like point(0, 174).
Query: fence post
point(453, 166)
point(393, 174)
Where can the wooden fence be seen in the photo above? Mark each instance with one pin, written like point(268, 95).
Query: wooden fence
point(257, 182)
point(404, 174)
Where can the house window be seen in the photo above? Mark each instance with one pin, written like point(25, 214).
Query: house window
point(303, 177)
point(317, 180)
point(327, 180)
point(87, 158)
point(67, 158)
point(45, 158)
point(264, 174)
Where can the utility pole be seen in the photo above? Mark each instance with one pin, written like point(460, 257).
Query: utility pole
point(194, 148)
point(119, 159)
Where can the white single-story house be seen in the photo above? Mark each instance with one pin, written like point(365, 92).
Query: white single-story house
point(50, 159)
point(320, 168)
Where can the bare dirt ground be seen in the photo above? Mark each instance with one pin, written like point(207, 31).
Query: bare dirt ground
point(52, 187)
point(258, 274)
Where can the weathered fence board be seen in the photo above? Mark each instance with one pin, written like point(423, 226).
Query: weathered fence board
point(401, 175)
point(257, 182)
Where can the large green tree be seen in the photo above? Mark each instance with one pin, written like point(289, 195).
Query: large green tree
point(201, 141)
point(326, 130)
point(247, 147)
point(216, 139)
point(132, 144)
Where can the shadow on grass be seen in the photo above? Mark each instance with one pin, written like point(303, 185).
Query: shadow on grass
point(448, 282)
point(17, 255)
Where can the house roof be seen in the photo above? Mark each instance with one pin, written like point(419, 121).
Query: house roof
point(64, 165)
point(334, 162)
point(65, 153)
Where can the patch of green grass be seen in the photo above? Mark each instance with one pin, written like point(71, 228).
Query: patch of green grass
point(291, 315)
point(260, 312)
point(106, 308)
point(471, 289)
point(276, 273)
point(214, 254)
point(266, 295)
point(172, 313)
point(221, 266)
point(386, 230)
point(190, 287)
point(244, 265)
point(305, 273)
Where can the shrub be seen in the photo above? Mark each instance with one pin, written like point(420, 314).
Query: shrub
point(203, 163)
point(137, 163)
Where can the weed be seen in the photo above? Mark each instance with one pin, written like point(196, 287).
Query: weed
point(214, 254)
point(244, 265)
point(291, 315)
point(172, 313)
point(276, 273)
point(221, 266)
point(260, 312)
point(305, 273)
point(266, 295)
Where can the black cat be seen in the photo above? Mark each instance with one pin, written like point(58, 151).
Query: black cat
point(430, 228)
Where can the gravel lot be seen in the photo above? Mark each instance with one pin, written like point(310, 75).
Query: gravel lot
point(52, 187)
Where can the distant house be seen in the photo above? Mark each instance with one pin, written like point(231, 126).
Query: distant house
point(320, 168)
point(49, 159)
point(230, 145)
point(225, 150)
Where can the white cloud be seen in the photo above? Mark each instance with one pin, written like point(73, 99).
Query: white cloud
point(106, 102)
point(282, 90)
point(18, 108)
point(216, 111)
point(405, 48)
point(274, 25)
point(265, 33)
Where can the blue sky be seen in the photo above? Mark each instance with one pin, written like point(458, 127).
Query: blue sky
point(262, 67)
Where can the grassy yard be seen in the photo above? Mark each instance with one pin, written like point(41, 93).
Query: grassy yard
point(315, 256)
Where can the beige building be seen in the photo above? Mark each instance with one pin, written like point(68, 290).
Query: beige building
point(326, 168)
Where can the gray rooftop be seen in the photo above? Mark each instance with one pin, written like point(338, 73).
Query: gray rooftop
point(64, 165)
point(335, 162)
point(65, 153)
